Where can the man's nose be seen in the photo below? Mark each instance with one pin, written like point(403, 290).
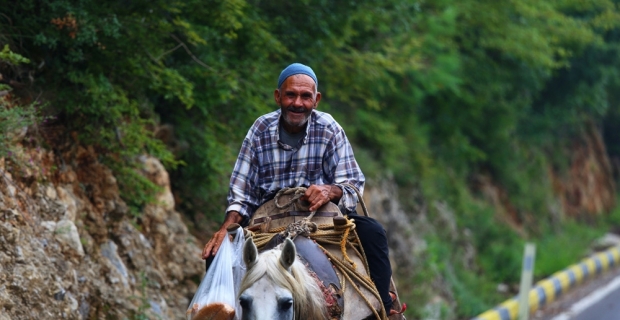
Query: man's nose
point(298, 102)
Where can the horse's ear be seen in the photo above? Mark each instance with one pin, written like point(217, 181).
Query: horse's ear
point(288, 254)
point(250, 253)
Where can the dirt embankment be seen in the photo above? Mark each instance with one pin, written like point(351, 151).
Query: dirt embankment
point(582, 187)
point(588, 187)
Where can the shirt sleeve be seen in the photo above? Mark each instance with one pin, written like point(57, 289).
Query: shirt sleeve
point(345, 170)
point(242, 193)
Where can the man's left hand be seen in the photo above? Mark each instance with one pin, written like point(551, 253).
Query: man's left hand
point(318, 195)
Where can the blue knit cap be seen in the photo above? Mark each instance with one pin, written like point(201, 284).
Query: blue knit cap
point(297, 68)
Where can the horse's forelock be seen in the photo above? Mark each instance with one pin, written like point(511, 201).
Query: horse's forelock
point(307, 296)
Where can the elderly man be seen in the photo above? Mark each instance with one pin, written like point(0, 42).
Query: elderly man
point(300, 146)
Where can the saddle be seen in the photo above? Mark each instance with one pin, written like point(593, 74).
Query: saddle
point(344, 301)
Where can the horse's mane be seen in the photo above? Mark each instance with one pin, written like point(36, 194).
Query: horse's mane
point(308, 300)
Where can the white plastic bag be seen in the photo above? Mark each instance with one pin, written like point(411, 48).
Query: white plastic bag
point(238, 266)
point(219, 287)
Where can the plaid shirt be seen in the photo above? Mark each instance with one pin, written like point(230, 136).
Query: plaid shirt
point(266, 164)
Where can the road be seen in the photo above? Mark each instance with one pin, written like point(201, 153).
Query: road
point(599, 299)
point(602, 304)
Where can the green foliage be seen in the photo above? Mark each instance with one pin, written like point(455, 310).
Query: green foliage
point(475, 293)
point(551, 255)
point(136, 189)
point(613, 219)
point(10, 57)
point(14, 117)
point(474, 290)
point(498, 246)
point(12, 121)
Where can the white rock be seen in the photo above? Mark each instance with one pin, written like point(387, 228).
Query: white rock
point(67, 234)
point(49, 225)
point(612, 239)
point(72, 303)
point(11, 192)
point(166, 199)
point(502, 288)
point(607, 241)
point(110, 251)
point(156, 171)
point(50, 192)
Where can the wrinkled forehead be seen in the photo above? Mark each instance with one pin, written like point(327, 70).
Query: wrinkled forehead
point(298, 82)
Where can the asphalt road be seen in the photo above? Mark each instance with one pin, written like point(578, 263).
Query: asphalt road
point(597, 299)
point(607, 308)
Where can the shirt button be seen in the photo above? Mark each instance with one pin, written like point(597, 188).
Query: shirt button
point(293, 169)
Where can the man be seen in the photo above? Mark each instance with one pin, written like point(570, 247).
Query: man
point(299, 146)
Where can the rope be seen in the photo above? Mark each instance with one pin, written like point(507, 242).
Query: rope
point(301, 227)
point(349, 273)
point(297, 193)
point(343, 242)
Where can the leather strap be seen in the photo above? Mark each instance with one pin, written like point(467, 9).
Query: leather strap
point(295, 214)
point(317, 261)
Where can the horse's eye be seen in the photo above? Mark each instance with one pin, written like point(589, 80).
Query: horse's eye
point(245, 302)
point(285, 303)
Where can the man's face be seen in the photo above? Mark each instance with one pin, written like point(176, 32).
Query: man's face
point(297, 97)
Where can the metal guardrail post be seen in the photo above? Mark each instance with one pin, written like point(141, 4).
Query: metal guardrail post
point(527, 273)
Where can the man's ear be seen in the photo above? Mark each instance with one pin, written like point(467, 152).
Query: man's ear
point(318, 98)
point(276, 96)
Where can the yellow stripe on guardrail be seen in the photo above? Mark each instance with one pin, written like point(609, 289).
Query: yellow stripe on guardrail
point(549, 289)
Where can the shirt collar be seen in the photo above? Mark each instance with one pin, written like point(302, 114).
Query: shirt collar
point(275, 127)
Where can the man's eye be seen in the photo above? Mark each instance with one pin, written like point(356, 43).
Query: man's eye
point(306, 96)
point(291, 95)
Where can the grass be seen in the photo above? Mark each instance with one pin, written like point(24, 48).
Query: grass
point(558, 250)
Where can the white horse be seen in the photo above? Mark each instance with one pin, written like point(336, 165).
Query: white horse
point(278, 286)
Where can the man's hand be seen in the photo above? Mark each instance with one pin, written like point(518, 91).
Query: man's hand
point(214, 244)
point(318, 195)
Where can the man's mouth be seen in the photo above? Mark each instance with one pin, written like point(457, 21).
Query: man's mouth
point(296, 110)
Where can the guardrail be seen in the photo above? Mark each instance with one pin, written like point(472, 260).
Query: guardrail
point(549, 289)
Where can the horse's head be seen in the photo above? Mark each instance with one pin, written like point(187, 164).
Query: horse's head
point(278, 286)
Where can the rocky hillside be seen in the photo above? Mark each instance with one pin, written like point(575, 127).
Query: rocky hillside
point(70, 250)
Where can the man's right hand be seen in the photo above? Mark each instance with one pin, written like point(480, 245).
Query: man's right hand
point(318, 195)
point(214, 244)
